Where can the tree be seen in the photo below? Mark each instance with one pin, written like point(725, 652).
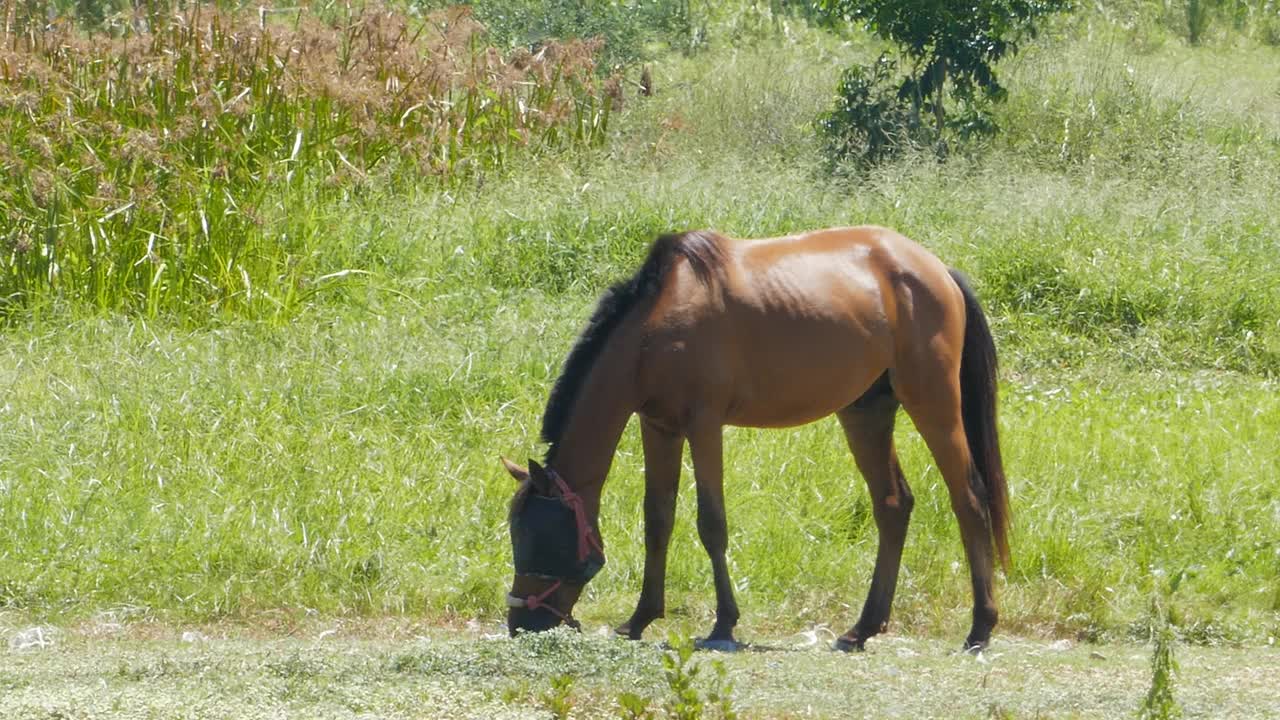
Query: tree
point(951, 45)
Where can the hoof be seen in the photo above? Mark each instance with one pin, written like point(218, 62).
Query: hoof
point(727, 646)
point(849, 644)
point(974, 647)
point(635, 626)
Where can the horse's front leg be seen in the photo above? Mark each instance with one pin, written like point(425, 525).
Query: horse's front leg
point(706, 446)
point(662, 452)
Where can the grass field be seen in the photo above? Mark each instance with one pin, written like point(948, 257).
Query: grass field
point(341, 458)
point(241, 469)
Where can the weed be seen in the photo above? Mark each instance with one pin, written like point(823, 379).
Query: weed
point(557, 700)
point(681, 673)
point(1159, 703)
point(634, 707)
point(720, 694)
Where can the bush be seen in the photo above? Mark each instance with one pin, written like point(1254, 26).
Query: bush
point(952, 48)
point(870, 122)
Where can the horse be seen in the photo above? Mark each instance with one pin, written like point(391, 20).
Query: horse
point(769, 333)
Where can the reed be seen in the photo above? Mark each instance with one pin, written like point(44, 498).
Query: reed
point(165, 162)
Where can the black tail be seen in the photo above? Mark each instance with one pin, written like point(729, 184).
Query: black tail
point(978, 407)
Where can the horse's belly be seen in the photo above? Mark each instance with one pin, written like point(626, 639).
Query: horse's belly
point(800, 398)
point(775, 417)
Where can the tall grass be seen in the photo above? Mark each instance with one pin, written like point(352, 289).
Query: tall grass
point(170, 162)
point(626, 27)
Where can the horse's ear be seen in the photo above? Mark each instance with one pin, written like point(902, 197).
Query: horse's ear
point(541, 478)
point(517, 472)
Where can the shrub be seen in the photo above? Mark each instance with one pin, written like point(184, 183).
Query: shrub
point(952, 48)
point(870, 121)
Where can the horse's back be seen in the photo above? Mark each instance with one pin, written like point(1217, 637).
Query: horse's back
point(866, 251)
point(873, 283)
point(792, 328)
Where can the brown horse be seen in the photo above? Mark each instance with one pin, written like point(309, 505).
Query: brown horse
point(764, 333)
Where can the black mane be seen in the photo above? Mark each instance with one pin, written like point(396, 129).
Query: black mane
point(703, 252)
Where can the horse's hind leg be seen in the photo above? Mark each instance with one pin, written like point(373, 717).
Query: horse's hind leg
point(662, 452)
point(932, 399)
point(868, 427)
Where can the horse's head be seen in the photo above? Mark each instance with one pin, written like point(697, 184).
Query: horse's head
point(556, 550)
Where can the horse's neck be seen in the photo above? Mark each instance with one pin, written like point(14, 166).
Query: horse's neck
point(604, 405)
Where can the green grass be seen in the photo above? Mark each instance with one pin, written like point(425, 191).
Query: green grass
point(354, 470)
point(342, 457)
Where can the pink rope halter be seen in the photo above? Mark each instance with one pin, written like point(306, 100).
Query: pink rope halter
point(587, 538)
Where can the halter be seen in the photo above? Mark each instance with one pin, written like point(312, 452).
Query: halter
point(588, 540)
